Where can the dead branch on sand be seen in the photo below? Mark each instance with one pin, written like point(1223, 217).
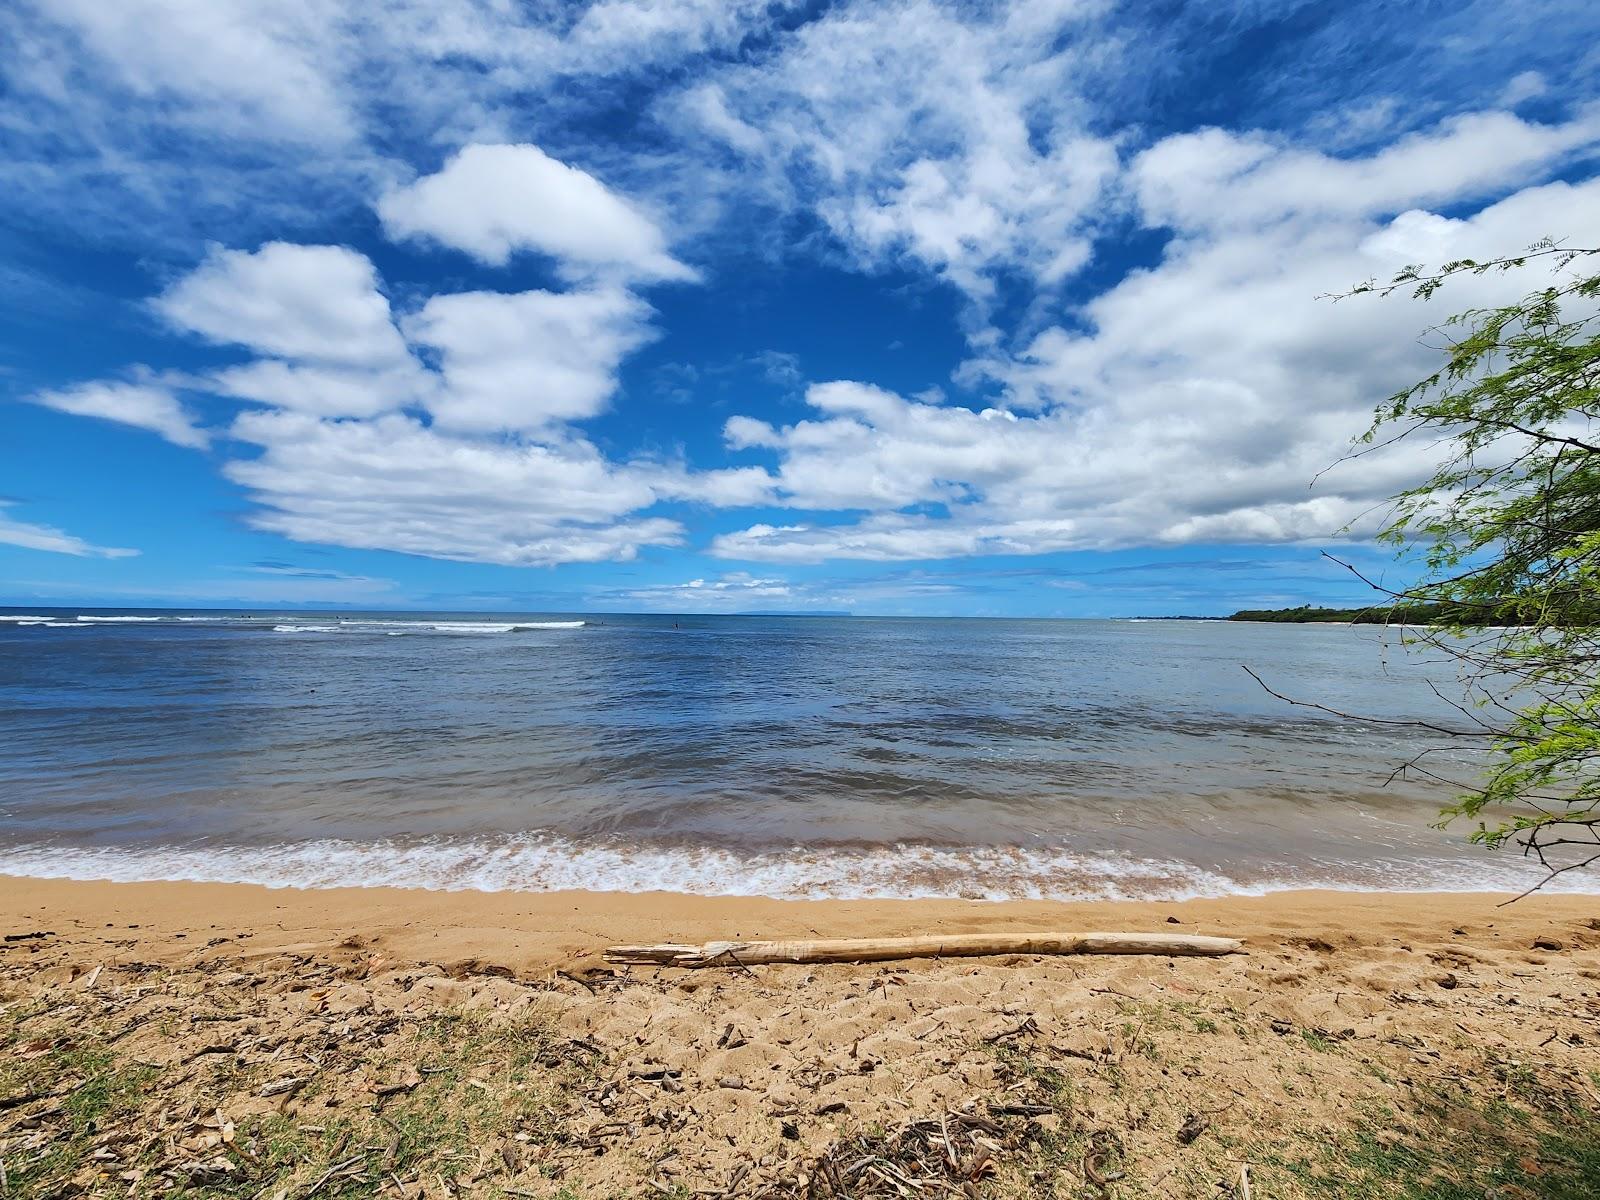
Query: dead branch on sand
point(966, 945)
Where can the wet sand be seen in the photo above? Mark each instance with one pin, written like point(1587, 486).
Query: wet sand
point(531, 932)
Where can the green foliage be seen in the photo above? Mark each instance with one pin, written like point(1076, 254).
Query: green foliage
point(1376, 614)
point(1509, 529)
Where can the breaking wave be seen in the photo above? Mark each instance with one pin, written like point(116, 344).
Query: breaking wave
point(540, 863)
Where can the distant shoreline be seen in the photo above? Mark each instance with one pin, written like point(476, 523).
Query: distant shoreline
point(1380, 614)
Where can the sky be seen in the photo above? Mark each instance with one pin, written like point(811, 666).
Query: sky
point(725, 306)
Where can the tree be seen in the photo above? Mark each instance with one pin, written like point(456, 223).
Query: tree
point(1508, 531)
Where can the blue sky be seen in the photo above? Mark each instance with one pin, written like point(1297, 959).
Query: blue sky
point(705, 306)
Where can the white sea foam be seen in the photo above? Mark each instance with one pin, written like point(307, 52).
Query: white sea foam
point(26, 618)
point(116, 620)
point(534, 863)
point(305, 629)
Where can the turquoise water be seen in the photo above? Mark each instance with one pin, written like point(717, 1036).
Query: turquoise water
point(729, 755)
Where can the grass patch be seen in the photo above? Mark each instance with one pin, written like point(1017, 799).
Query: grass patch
point(81, 1083)
point(478, 1098)
point(1458, 1148)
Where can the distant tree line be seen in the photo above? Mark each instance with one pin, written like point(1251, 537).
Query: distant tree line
point(1502, 615)
point(1384, 614)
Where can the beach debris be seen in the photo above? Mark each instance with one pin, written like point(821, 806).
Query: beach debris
point(927, 1156)
point(968, 945)
point(408, 1079)
point(1098, 1169)
point(1028, 1025)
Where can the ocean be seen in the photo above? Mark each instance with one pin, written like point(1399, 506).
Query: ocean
point(778, 756)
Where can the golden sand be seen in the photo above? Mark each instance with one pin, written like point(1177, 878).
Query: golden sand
point(1362, 1036)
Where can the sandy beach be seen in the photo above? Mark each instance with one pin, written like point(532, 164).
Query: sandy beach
point(240, 1041)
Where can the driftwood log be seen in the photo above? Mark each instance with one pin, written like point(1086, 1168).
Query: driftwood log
point(960, 945)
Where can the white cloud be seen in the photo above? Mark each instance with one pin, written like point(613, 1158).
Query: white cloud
point(155, 122)
point(1194, 401)
point(391, 483)
point(492, 201)
point(317, 311)
point(737, 591)
point(527, 360)
point(345, 454)
point(50, 539)
point(325, 390)
point(143, 406)
point(953, 140)
point(890, 537)
point(506, 361)
point(1525, 85)
point(1214, 180)
point(316, 303)
point(244, 65)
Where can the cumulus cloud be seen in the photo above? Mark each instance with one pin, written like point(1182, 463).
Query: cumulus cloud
point(331, 346)
point(1193, 401)
point(317, 303)
point(527, 360)
point(143, 406)
point(493, 201)
point(392, 483)
point(469, 455)
point(15, 532)
point(318, 316)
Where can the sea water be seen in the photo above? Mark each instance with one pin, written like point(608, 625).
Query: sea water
point(782, 756)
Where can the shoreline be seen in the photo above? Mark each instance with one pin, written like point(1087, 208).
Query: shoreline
point(529, 931)
point(542, 864)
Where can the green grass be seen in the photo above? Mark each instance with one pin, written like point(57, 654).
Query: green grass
point(1459, 1149)
point(107, 1092)
point(486, 1082)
